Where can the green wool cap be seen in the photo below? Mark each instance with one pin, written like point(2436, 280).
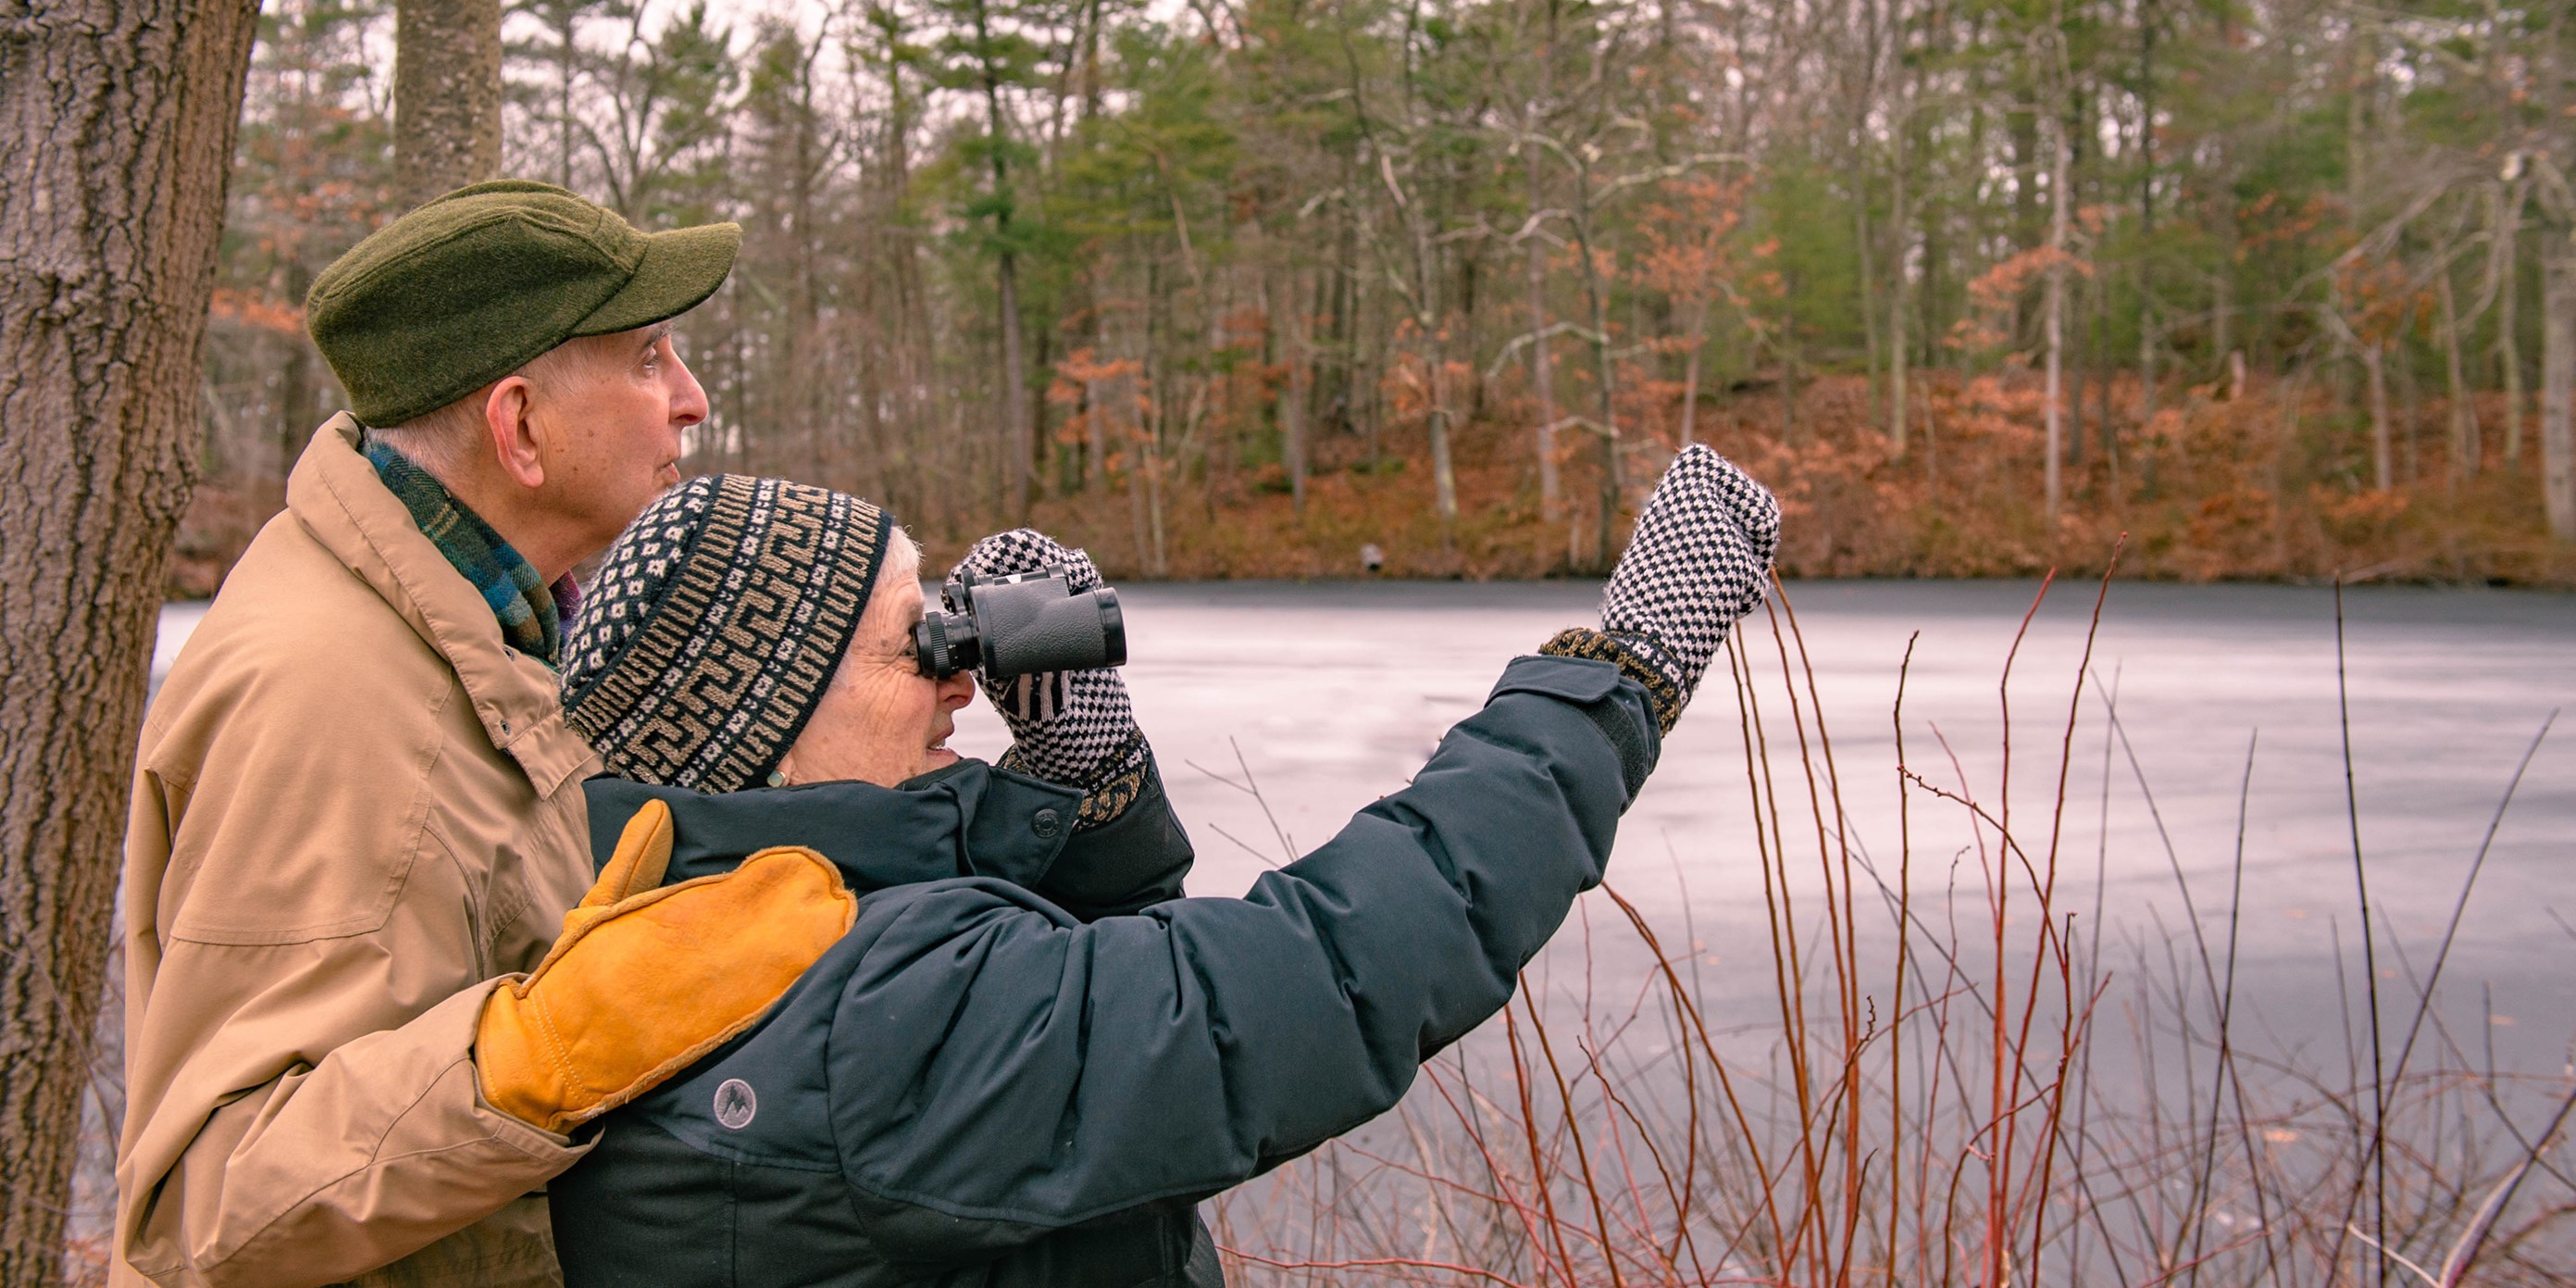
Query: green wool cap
point(475, 284)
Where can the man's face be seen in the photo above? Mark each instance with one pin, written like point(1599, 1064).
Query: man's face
point(609, 417)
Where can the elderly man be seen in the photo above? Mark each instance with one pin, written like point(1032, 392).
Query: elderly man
point(358, 819)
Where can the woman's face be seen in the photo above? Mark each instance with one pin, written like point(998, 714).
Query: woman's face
point(882, 721)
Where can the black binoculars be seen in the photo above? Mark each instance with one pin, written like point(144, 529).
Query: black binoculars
point(1023, 624)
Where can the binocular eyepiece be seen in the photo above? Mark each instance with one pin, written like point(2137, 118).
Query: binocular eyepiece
point(1022, 624)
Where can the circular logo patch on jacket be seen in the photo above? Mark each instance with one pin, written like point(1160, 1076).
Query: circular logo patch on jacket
point(735, 1104)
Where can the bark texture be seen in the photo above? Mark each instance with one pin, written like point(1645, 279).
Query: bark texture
point(116, 133)
point(447, 95)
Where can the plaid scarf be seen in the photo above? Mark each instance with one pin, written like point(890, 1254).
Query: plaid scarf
point(523, 603)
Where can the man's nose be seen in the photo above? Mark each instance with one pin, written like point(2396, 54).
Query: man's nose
point(688, 397)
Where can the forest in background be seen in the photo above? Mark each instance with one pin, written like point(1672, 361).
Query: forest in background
point(1220, 288)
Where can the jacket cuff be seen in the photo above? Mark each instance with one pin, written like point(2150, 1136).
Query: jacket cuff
point(1112, 790)
point(1666, 696)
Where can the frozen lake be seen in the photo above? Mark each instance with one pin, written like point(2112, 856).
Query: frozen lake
point(1328, 696)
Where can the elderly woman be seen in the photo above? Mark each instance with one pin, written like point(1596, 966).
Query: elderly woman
point(1029, 1058)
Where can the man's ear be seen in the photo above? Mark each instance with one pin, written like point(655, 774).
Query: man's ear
point(513, 432)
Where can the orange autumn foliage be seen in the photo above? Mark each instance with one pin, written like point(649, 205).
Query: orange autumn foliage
point(2271, 486)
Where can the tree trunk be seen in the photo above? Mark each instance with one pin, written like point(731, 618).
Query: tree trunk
point(2078, 125)
point(2558, 383)
point(447, 96)
point(1690, 369)
point(298, 409)
point(1137, 484)
point(2465, 445)
point(1095, 426)
point(116, 137)
point(2409, 409)
point(1897, 292)
point(1292, 402)
point(1431, 349)
point(1042, 453)
point(1868, 287)
point(2104, 369)
point(2374, 364)
point(2508, 221)
point(2022, 141)
point(2146, 213)
point(567, 31)
point(2056, 321)
point(1444, 477)
point(1609, 429)
point(1334, 395)
point(1016, 468)
point(2078, 354)
point(294, 377)
point(1153, 446)
point(1788, 351)
point(2222, 307)
point(1097, 421)
point(1551, 487)
point(1444, 472)
point(1015, 399)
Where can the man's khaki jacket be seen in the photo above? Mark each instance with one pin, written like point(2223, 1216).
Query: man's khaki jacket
point(355, 809)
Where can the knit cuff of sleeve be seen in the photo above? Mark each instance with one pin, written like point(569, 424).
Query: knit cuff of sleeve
point(1107, 793)
point(1637, 656)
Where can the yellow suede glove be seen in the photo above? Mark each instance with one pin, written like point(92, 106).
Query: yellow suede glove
point(642, 984)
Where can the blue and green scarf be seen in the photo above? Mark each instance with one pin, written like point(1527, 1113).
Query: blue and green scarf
point(519, 598)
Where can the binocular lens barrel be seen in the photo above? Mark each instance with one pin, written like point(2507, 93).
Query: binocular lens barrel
point(1022, 625)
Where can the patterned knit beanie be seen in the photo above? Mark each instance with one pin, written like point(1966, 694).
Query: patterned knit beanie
point(715, 625)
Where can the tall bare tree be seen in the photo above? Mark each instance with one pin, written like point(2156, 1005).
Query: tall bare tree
point(2060, 202)
point(116, 131)
point(1551, 489)
point(447, 95)
point(989, 57)
point(2505, 203)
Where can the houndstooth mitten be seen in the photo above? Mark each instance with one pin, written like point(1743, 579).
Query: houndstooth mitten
point(1700, 560)
point(1073, 728)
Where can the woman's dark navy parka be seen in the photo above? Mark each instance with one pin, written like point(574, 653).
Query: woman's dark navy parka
point(1029, 1060)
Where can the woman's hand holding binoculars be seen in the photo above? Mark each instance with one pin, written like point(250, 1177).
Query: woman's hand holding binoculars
point(1074, 728)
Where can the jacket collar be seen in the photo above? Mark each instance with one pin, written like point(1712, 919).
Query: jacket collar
point(338, 498)
point(967, 820)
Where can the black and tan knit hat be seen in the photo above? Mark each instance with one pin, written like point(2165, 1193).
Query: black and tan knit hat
point(715, 625)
